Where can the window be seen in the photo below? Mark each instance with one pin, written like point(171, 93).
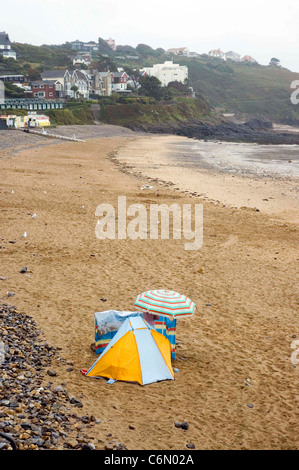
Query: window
point(50, 94)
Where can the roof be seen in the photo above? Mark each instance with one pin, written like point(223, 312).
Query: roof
point(232, 53)
point(13, 75)
point(216, 51)
point(53, 74)
point(80, 75)
point(4, 39)
point(118, 74)
point(43, 82)
point(248, 57)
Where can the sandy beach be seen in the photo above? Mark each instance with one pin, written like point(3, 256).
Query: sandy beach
point(236, 386)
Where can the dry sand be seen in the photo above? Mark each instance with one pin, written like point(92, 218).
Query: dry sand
point(234, 352)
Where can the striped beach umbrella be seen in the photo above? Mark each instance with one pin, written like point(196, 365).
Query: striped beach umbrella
point(165, 302)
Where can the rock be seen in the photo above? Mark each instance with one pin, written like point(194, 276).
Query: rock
point(89, 446)
point(76, 402)
point(185, 425)
point(37, 417)
point(190, 445)
point(73, 443)
point(58, 389)
point(51, 373)
point(23, 270)
point(177, 424)
point(109, 446)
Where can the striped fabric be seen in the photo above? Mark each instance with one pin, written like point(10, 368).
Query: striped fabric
point(101, 341)
point(165, 302)
point(168, 329)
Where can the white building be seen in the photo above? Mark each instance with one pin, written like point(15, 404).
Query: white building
point(167, 72)
point(5, 47)
point(82, 59)
point(81, 80)
point(231, 55)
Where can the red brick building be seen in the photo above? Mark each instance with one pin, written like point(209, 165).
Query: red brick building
point(43, 89)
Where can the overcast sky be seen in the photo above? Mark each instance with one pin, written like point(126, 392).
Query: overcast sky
point(260, 28)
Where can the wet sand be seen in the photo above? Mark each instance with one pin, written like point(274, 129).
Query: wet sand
point(238, 175)
point(236, 386)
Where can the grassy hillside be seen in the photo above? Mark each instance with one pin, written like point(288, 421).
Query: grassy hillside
point(245, 89)
point(248, 90)
point(147, 111)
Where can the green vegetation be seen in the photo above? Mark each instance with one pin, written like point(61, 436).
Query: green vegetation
point(75, 113)
point(15, 112)
point(48, 56)
point(245, 89)
point(12, 91)
point(146, 111)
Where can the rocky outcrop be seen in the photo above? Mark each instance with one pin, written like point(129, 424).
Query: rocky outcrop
point(253, 131)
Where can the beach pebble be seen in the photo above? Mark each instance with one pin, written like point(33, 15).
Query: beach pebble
point(36, 416)
point(76, 402)
point(190, 445)
point(51, 373)
point(185, 425)
point(250, 405)
point(23, 270)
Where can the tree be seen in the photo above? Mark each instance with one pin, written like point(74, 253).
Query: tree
point(275, 62)
point(150, 86)
point(145, 50)
point(134, 75)
point(12, 91)
point(75, 89)
point(106, 63)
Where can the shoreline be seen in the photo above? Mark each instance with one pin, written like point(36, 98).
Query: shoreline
point(171, 160)
point(236, 385)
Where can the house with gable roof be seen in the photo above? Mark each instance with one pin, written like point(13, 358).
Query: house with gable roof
point(5, 46)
